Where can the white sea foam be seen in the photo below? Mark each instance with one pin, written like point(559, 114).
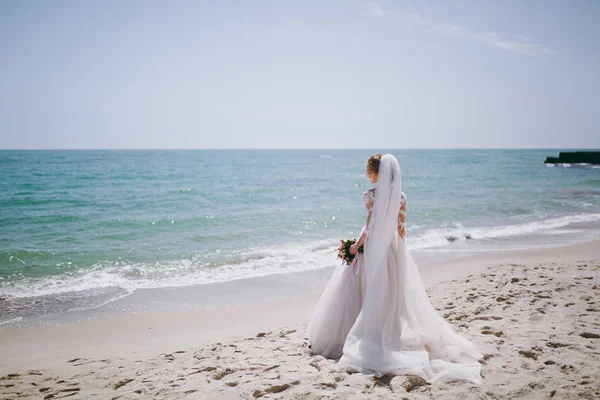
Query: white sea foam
point(11, 321)
point(260, 262)
point(574, 165)
point(253, 263)
point(437, 237)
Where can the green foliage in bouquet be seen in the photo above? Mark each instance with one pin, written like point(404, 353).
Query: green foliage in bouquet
point(344, 251)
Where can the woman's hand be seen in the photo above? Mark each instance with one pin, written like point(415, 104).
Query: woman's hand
point(354, 249)
point(401, 232)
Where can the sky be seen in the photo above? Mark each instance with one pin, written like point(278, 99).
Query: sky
point(299, 74)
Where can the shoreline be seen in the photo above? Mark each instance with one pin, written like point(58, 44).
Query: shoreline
point(24, 312)
point(239, 308)
point(204, 296)
point(533, 314)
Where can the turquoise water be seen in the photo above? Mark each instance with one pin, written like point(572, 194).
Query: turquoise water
point(79, 228)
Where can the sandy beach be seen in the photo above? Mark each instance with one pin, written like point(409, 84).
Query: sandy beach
point(179, 182)
point(535, 314)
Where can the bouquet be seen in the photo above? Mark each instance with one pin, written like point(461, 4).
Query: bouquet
point(344, 251)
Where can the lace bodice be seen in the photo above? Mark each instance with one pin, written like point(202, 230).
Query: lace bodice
point(369, 199)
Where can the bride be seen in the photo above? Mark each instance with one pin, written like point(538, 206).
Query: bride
point(375, 314)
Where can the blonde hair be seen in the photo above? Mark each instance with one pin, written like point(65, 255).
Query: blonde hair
point(373, 162)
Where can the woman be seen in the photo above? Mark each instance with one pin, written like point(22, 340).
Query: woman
point(375, 314)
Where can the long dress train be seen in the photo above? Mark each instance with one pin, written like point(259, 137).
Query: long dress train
point(381, 321)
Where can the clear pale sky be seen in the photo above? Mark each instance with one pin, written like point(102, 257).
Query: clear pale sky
point(299, 74)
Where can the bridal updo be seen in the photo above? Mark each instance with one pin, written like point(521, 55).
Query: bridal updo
point(373, 162)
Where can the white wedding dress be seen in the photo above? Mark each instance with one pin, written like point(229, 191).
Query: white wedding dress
point(375, 314)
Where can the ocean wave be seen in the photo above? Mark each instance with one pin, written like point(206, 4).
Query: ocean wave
point(185, 272)
point(438, 236)
point(206, 268)
point(574, 165)
point(11, 321)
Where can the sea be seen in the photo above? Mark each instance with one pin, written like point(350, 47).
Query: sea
point(81, 228)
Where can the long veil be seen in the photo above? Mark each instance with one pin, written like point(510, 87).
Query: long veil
point(398, 331)
point(382, 226)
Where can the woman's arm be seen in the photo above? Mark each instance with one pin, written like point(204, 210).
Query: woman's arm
point(354, 248)
point(402, 220)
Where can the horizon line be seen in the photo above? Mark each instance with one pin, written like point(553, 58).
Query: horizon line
point(299, 148)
